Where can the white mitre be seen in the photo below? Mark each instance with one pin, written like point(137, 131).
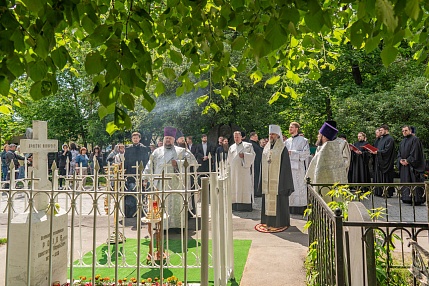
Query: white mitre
point(275, 129)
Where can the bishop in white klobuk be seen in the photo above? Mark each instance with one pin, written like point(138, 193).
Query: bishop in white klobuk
point(277, 182)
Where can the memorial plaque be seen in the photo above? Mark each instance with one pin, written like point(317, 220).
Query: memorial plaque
point(39, 249)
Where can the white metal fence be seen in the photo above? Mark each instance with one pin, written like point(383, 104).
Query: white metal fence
point(95, 209)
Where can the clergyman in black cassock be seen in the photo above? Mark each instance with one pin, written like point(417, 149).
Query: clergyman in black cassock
point(411, 166)
point(277, 181)
point(384, 161)
point(359, 171)
point(256, 164)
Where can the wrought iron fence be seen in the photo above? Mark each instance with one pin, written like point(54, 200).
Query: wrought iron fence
point(386, 244)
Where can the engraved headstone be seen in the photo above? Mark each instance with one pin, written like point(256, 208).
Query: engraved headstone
point(29, 246)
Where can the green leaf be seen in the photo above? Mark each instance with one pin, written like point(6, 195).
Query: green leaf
point(113, 70)
point(87, 24)
point(356, 35)
point(180, 90)
point(102, 111)
point(256, 77)
point(272, 80)
point(176, 57)
point(276, 34)
point(127, 57)
point(94, 63)
point(225, 92)
point(412, 8)
point(122, 119)
point(158, 63)
point(293, 76)
point(314, 21)
point(5, 109)
point(111, 127)
point(15, 65)
point(292, 92)
point(108, 95)
point(202, 99)
point(202, 84)
point(206, 109)
point(215, 106)
point(384, 11)
point(274, 97)
point(60, 57)
point(169, 73)
point(388, 55)
point(100, 35)
point(148, 103)
point(42, 49)
point(34, 5)
point(128, 101)
point(36, 90)
point(260, 45)
point(18, 39)
point(4, 86)
point(37, 70)
point(159, 89)
point(314, 75)
point(238, 43)
point(372, 43)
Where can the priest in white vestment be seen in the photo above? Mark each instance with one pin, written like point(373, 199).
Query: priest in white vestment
point(277, 183)
point(327, 166)
point(240, 158)
point(299, 151)
point(170, 159)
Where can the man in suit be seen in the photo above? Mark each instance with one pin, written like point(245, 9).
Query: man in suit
point(202, 154)
point(190, 145)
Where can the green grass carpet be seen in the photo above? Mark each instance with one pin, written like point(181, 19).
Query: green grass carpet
point(241, 250)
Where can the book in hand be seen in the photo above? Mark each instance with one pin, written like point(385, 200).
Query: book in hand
point(370, 148)
point(353, 148)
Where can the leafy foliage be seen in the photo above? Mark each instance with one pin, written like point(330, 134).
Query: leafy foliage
point(127, 42)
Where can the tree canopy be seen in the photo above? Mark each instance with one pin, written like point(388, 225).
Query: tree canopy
point(130, 48)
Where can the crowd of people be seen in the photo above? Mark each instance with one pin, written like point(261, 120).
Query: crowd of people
point(273, 168)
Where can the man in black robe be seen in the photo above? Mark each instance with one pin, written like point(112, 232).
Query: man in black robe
point(257, 163)
point(359, 167)
point(135, 153)
point(411, 166)
point(277, 182)
point(377, 140)
point(384, 161)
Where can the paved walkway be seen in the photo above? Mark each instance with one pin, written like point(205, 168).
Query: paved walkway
point(272, 257)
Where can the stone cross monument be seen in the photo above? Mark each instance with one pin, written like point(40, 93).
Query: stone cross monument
point(40, 146)
point(38, 240)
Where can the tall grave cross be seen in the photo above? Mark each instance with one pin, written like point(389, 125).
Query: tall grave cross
point(40, 146)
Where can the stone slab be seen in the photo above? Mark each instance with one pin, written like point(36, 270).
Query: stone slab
point(37, 250)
